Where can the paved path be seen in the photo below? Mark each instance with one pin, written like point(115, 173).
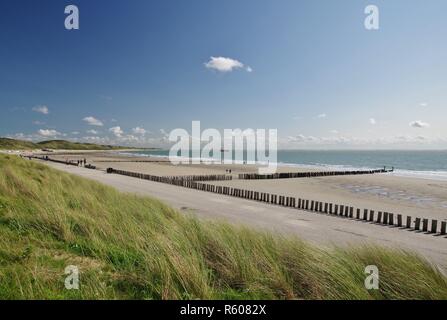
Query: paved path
point(316, 228)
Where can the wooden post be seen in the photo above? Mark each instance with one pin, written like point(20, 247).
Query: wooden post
point(399, 220)
point(351, 212)
point(336, 209)
point(408, 222)
point(379, 217)
point(443, 228)
point(365, 214)
point(330, 208)
point(417, 224)
point(312, 205)
point(342, 210)
point(358, 214)
point(371, 215)
point(325, 207)
point(307, 204)
point(385, 218)
point(391, 219)
point(434, 226)
point(425, 225)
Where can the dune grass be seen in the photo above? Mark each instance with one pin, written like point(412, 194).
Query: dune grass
point(14, 144)
point(129, 247)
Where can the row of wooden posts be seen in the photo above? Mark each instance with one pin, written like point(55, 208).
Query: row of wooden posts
point(176, 180)
point(289, 175)
point(46, 158)
point(379, 217)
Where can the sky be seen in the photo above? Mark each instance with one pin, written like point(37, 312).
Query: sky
point(135, 70)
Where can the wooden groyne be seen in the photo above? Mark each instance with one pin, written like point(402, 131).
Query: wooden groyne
point(290, 175)
point(399, 221)
point(176, 180)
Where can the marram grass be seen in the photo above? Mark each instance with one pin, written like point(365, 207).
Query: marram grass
point(129, 247)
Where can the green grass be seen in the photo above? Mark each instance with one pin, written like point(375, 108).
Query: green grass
point(13, 144)
point(130, 247)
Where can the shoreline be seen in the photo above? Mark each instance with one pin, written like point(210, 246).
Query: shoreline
point(436, 175)
point(382, 191)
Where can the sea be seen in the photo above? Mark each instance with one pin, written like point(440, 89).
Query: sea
point(428, 164)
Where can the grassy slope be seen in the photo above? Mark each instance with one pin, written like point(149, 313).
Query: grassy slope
point(12, 144)
point(133, 247)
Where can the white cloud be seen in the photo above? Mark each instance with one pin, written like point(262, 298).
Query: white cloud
point(419, 124)
point(92, 131)
point(48, 133)
point(41, 109)
point(423, 104)
point(75, 132)
point(225, 64)
point(139, 130)
point(93, 121)
point(372, 121)
point(117, 131)
point(249, 69)
point(322, 115)
point(334, 131)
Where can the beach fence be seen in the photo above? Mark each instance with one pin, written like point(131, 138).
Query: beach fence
point(46, 158)
point(384, 218)
point(67, 162)
point(290, 175)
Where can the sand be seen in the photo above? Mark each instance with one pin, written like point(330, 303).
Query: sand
point(380, 192)
point(319, 229)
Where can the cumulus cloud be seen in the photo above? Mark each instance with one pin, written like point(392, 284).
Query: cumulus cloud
point(322, 115)
point(423, 104)
point(419, 124)
point(41, 109)
point(223, 64)
point(139, 130)
point(117, 131)
point(93, 121)
point(372, 121)
point(48, 133)
point(92, 131)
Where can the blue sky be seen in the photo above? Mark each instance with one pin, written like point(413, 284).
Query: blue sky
point(138, 69)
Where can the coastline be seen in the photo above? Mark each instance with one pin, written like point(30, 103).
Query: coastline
point(390, 192)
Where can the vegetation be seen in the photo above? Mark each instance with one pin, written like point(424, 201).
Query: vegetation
point(129, 247)
point(13, 144)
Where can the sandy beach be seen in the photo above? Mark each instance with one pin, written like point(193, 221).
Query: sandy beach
point(381, 192)
point(323, 230)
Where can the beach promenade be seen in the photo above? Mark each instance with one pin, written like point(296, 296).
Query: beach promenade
point(319, 229)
